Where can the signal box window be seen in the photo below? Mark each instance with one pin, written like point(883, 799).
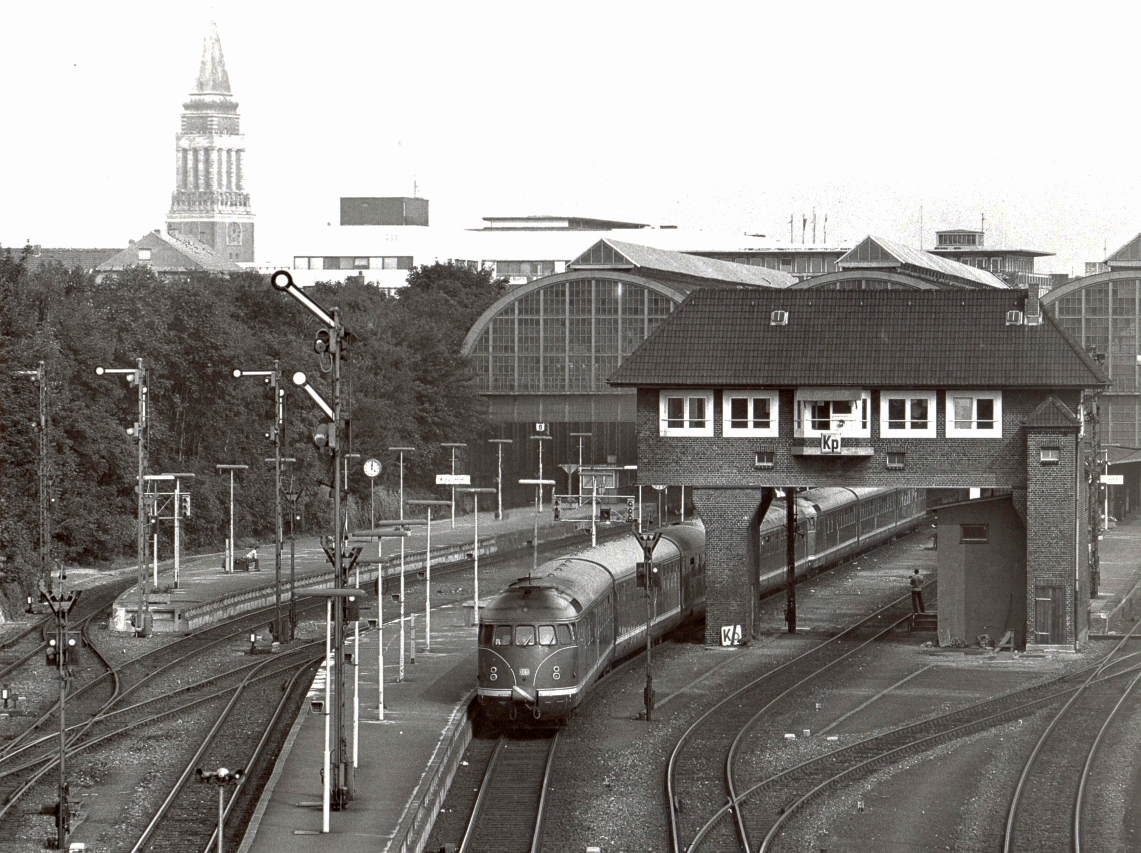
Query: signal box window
point(750, 415)
point(974, 534)
point(832, 410)
point(502, 636)
point(974, 414)
point(547, 635)
point(910, 413)
point(686, 413)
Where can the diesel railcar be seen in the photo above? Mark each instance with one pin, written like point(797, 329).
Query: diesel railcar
point(547, 638)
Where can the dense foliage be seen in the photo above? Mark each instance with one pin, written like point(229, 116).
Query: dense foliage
point(406, 385)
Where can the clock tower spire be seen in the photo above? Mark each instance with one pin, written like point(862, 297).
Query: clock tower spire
point(210, 202)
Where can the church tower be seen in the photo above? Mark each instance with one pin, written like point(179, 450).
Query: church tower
point(210, 202)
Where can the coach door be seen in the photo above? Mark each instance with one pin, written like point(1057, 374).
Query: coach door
point(1050, 615)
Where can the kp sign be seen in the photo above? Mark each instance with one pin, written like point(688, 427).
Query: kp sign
point(830, 443)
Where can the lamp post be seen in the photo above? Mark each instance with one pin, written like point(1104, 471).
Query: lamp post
point(402, 451)
point(475, 492)
point(222, 778)
point(272, 378)
point(372, 469)
point(428, 504)
point(330, 344)
point(650, 578)
point(499, 442)
point(535, 542)
point(453, 445)
point(230, 544)
point(137, 377)
point(541, 439)
point(580, 436)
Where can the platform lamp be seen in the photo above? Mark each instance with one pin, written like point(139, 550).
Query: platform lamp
point(327, 709)
point(453, 445)
point(230, 543)
point(402, 451)
point(580, 436)
point(499, 442)
point(541, 439)
point(475, 493)
point(535, 542)
point(428, 504)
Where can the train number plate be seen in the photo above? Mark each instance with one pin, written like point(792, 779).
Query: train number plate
point(524, 672)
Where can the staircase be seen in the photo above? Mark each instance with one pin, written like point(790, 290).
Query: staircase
point(924, 622)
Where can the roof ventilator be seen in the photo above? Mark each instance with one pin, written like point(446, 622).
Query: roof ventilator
point(778, 318)
point(1014, 318)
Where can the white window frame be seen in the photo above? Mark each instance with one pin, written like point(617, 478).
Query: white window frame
point(729, 431)
point(908, 430)
point(663, 413)
point(858, 425)
point(973, 431)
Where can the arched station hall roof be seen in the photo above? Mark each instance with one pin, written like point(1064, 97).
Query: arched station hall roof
point(879, 264)
point(565, 333)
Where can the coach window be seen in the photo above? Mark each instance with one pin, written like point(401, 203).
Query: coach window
point(547, 635)
point(502, 635)
point(832, 410)
point(907, 413)
point(524, 635)
point(686, 413)
point(750, 415)
point(974, 414)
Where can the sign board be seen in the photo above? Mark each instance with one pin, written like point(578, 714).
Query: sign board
point(601, 479)
point(372, 468)
point(659, 488)
point(540, 427)
point(730, 635)
point(453, 479)
point(1113, 479)
point(830, 443)
point(569, 467)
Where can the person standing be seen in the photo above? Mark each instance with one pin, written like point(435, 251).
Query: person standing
point(916, 592)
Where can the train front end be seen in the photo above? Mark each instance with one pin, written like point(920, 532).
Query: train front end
point(528, 659)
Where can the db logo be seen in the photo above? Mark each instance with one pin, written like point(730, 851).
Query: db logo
point(830, 442)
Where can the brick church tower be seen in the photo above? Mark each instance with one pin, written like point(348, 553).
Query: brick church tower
point(210, 202)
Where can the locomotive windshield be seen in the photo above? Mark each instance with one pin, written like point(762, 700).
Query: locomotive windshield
point(527, 635)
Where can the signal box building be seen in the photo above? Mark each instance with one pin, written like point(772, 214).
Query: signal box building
point(744, 391)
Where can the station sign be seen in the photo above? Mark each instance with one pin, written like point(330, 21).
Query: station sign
point(1113, 479)
point(453, 479)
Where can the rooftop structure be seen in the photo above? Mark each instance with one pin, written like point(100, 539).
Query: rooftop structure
point(1014, 266)
point(879, 264)
point(169, 255)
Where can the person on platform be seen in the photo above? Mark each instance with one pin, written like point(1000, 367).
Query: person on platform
point(916, 592)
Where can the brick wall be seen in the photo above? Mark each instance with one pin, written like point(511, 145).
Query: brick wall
point(731, 518)
point(939, 462)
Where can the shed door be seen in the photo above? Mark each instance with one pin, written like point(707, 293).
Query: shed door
point(1050, 614)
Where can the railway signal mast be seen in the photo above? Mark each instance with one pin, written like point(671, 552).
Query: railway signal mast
point(59, 652)
point(330, 345)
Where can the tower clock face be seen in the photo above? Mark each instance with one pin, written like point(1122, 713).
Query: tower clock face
point(234, 234)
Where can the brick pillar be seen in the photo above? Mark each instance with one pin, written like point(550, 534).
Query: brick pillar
point(1056, 538)
point(730, 517)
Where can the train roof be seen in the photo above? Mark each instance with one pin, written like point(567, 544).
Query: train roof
point(580, 577)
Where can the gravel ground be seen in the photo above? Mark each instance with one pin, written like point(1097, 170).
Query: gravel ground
point(609, 780)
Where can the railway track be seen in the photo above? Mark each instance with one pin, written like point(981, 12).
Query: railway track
point(1047, 805)
point(507, 816)
point(701, 774)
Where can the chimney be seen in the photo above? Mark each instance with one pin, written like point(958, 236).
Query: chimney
point(1033, 304)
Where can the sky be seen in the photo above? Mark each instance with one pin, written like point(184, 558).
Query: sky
point(891, 119)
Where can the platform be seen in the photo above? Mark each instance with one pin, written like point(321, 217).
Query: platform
point(205, 593)
point(1117, 608)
